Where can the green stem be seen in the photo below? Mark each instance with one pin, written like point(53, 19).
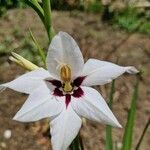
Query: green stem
point(109, 142)
point(142, 136)
point(36, 6)
point(48, 18)
point(128, 133)
point(77, 143)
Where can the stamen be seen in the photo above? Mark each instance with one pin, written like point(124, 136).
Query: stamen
point(65, 73)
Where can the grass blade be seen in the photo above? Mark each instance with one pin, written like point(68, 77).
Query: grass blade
point(143, 133)
point(40, 50)
point(127, 139)
point(109, 141)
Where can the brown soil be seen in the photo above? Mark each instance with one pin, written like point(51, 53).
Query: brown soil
point(96, 40)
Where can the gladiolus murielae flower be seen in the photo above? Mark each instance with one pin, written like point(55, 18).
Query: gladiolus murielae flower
point(63, 93)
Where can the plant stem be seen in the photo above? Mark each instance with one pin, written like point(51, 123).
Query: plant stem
point(48, 18)
point(109, 142)
point(127, 138)
point(143, 133)
point(77, 143)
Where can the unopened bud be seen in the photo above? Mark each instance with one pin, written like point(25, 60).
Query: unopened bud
point(22, 61)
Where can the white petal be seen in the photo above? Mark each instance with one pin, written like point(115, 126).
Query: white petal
point(102, 72)
point(64, 50)
point(28, 82)
point(40, 104)
point(93, 107)
point(64, 129)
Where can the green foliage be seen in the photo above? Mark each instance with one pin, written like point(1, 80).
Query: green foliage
point(77, 143)
point(132, 20)
point(40, 50)
point(145, 28)
point(8, 4)
point(128, 133)
point(109, 141)
point(25, 47)
point(94, 6)
point(44, 12)
point(128, 19)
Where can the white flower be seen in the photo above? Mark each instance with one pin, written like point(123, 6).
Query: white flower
point(63, 94)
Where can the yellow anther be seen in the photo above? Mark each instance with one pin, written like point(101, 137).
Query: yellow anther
point(65, 73)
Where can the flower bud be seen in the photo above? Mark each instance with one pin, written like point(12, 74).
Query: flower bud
point(23, 62)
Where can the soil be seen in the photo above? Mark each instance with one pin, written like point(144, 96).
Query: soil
point(96, 40)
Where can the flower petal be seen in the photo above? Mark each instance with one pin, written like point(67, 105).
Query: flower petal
point(40, 104)
point(93, 107)
point(64, 50)
point(28, 82)
point(101, 72)
point(64, 128)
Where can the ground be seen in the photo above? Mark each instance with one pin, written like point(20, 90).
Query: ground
point(96, 40)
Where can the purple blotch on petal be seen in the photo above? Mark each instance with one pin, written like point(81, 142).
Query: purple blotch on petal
point(78, 81)
point(78, 93)
point(67, 100)
point(58, 92)
point(56, 83)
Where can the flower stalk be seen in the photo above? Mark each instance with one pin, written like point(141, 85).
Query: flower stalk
point(127, 138)
point(48, 18)
point(109, 142)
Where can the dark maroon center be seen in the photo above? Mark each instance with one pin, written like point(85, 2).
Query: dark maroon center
point(77, 91)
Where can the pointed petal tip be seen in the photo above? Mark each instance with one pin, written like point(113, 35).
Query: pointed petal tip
point(62, 33)
point(117, 124)
point(132, 70)
point(16, 118)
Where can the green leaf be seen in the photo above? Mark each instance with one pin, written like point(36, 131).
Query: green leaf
point(77, 143)
point(36, 6)
point(40, 50)
point(47, 18)
point(127, 138)
point(109, 141)
point(143, 133)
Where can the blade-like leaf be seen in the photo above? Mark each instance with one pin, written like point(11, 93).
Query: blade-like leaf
point(40, 50)
point(127, 139)
point(143, 133)
point(36, 6)
point(109, 142)
point(47, 17)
